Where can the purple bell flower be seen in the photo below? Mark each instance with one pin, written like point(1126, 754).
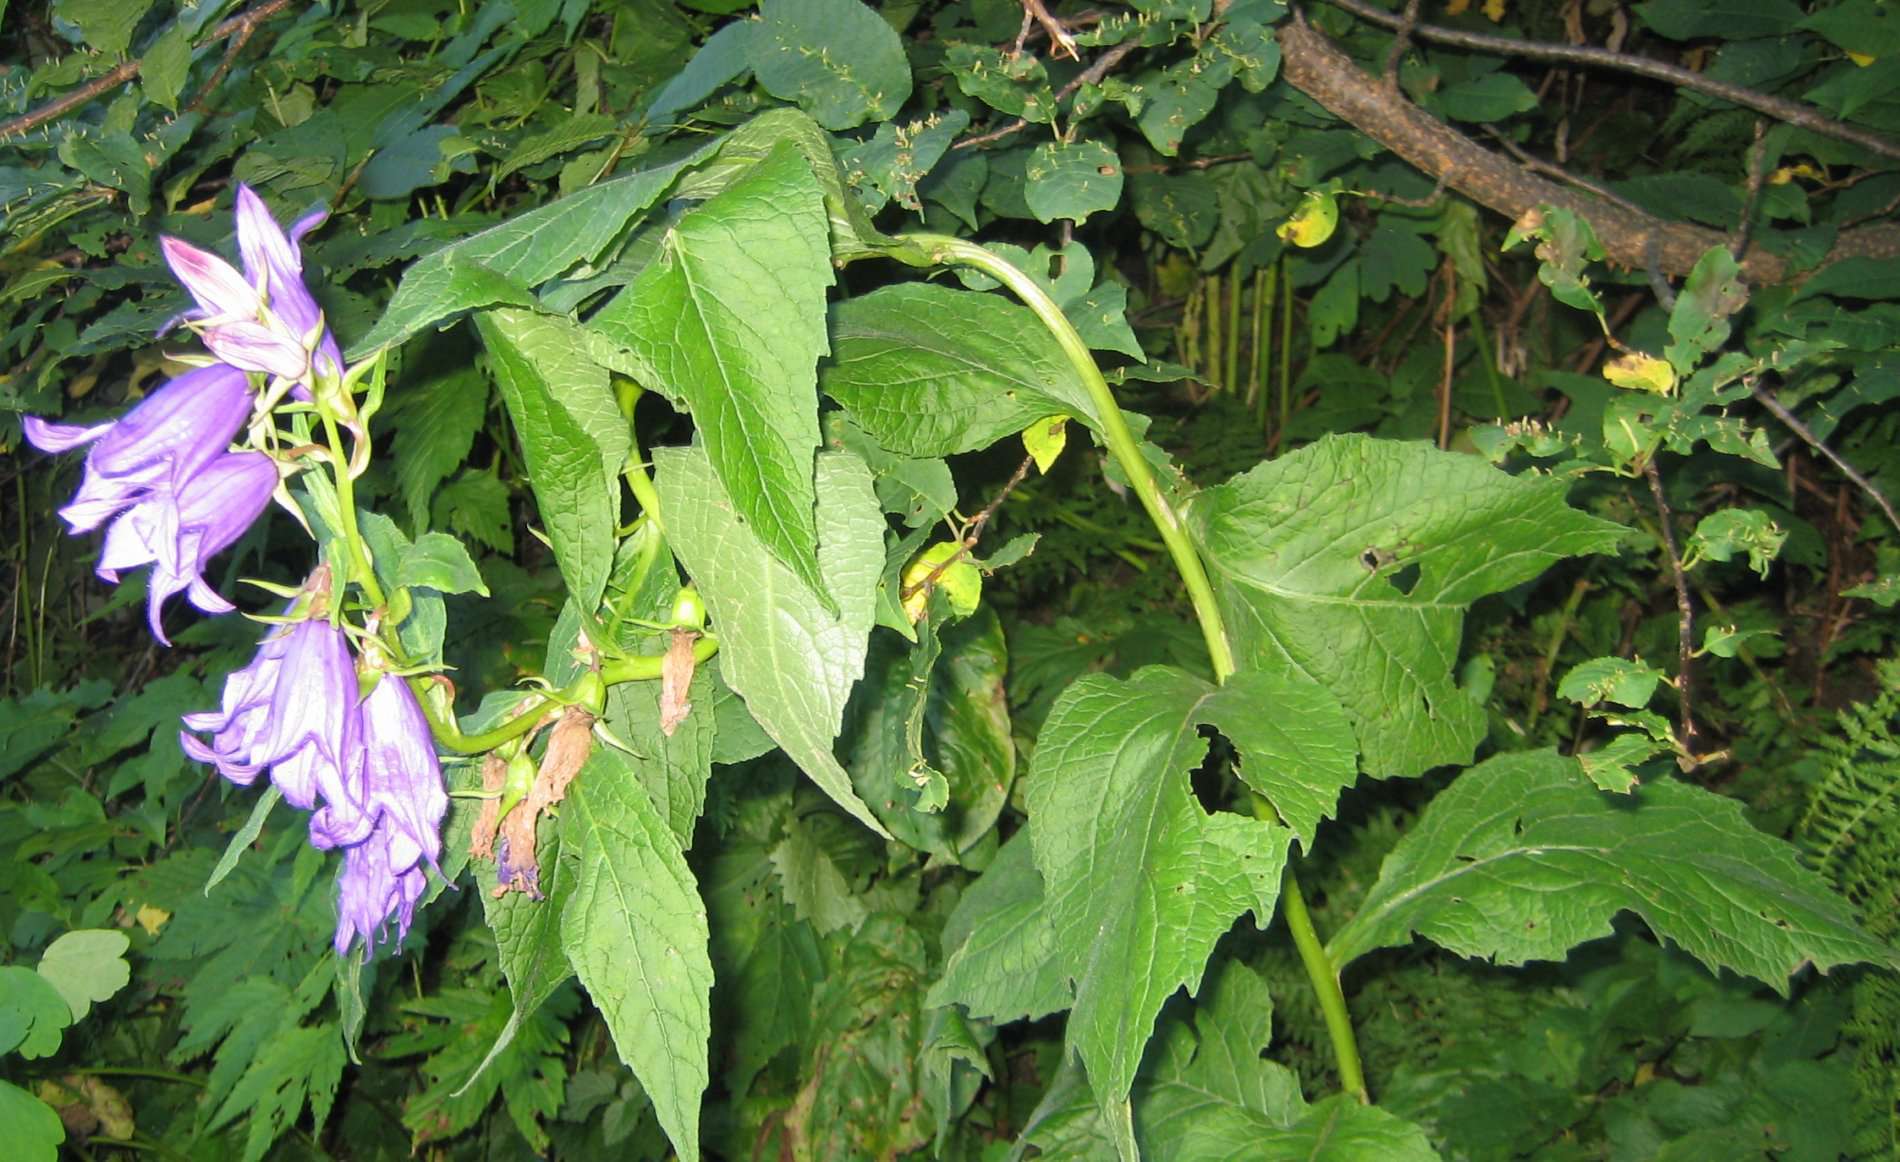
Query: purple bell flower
point(295, 710)
point(373, 889)
point(177, 532)
point(160, 443)
point(263, 319)
point(382, 874)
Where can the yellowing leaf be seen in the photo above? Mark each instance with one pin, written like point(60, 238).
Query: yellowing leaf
point(1312, 222)
point(1860, 58)
point(1045, 439)
point(1640, 372)
point(960, 580)
point(1494, 10)
point(151, 919)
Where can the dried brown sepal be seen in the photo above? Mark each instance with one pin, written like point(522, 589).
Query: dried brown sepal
point(676, 676)
point(569, 744)
point(481, 842)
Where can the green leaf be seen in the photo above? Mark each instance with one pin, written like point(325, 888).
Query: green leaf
point(1623, 681)
point(999, 950)
point(1352, 560)
point(888, 166)
point(1072, 179)
point(903, 365)
point(836, 59)
point(87, 966)
point(107, 25)
point(731, 320)
point(28, 1125)
point(793, 660)
point(33, 1013)
point(724, 55)
point(1699, 323)
point(501, 264)
point(1140, 881)
point(1491, 97)
point(1338, 1129)
point(1721, 535)
point(1612, 766)
point(1727, 19)
point(297, 1065)
point(812, 884)
point(1216, 1084)
point(242, 839)
point(165, 65)
point(436, 419)
point(440, 562)
point(635, 932)
point(673, 768)
point(572, 436)
point(1522, 859)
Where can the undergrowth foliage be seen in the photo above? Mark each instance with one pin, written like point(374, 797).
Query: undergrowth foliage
point(960, 579)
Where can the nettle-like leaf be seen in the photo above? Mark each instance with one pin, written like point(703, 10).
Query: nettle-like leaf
point(572, 435)
point(1352, 561)
point(1212, 1094)
point(635, 931)
point(436, 419)
point(1522, 859)
point(1139, 880)
point(793, 660)
point(459, 1085)
point(501, 265)
point(730, 318)
point(838, 59)
point(903, 364)
point(1000, 955)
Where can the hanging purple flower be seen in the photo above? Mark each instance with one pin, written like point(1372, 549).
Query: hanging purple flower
point(373, 889)
point(177, 532)
point(295, 710)
point(264, 319)
point(382, 874)
point(160, 443)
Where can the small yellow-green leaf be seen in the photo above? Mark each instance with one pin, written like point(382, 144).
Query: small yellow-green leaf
point(1045, 439)
point(1312, 221)
point(960, 580)
point(1640, 372)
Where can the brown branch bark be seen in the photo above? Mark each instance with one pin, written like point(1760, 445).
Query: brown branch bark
point(242, 25)
point(1781, 109)
point(1311, 64)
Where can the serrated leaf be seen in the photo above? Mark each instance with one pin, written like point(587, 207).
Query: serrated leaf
point(1698, 323)
point(501, 265)
point(731, 320)
point(440, 562)
point(903, 365)
point(889, 165)
point(1140, 881)
point(1721, 535)
point(1352, 560)
point(298, 1066)
point(836, 59)
point(1624, 681)
point(1612, 766)
point(636, 934)
point(1522, 859)
point(87, 966)
point(812, 883)
point(572, 436)
point(1072, 179)
point(107, 25)
point(167, 61)
point(791, 659)
point(999, 950)
point(436, 421)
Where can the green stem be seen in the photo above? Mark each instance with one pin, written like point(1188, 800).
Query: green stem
point(365, 572)
point(1231, 380)
point(1286, 349)
point(940, 250)
point(639, 668)
point(1325, 978)
point(944, 250)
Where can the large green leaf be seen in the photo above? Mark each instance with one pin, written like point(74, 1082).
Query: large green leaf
point(501, 265)
point(999, 954)
point(730, 318)
point(837, 59)
point(1352, 561)
point(791, 659)
point(1523, 859)
point(572, 436)
point(635, 931)
point(1140, 881)
point(905, 365)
